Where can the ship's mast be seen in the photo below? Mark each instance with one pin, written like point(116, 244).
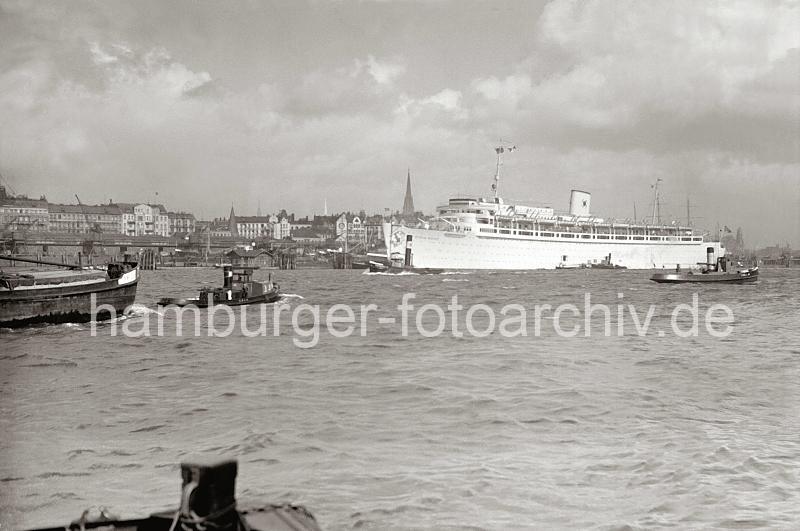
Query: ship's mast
point(656, 203)
point(688, 212)
point(500, 149)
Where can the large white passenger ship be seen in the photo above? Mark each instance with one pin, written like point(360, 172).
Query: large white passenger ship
point(481, 233)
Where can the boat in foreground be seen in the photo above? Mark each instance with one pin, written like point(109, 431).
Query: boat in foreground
point(723, 270)
point(208, 502)
point(66, 296)
point(238, 289)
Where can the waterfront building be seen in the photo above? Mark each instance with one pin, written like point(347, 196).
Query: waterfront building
point(144, 220)
point(82, 219)
point(253, 227)
point(127, 219)
point(307, 235)
point(281, 228)
point(349, 227)
point(220, 228)
point(299, 223)
point(181, 222)
point(23, 214)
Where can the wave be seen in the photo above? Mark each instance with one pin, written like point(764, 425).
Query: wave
point(383, 273)
point(138, 310)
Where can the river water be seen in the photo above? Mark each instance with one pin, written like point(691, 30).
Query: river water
point(383, 430)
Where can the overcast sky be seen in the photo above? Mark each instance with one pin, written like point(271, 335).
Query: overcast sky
point(284, 104)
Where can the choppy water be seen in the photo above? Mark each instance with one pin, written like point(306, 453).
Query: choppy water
point(393, 432)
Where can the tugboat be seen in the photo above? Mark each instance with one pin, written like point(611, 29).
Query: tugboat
point(721, 270)
point(238, 289)
point(399, 264)
point(208, 502)
point(606, 264)
point(65, 296)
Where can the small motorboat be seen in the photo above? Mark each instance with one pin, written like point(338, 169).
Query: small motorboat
point(238, 289)
point(208, 502)
point(721, 270)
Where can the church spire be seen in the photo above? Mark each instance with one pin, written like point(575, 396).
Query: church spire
point(232, 222)
point(408, 202)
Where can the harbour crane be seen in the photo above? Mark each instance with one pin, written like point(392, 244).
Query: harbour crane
point(88, 243)
point(90, 227)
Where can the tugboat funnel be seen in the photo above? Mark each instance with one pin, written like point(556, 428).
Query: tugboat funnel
point(710, 265)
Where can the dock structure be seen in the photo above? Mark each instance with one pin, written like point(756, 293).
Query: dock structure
point(148, 260)
point(342, 260)
point(161, 252)
point(283, 256)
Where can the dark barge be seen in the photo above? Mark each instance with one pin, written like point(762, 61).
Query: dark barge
point(66, 296)
point(208, 503)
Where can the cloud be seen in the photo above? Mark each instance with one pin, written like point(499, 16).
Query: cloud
point(510, 90)
point(448, 99)
point(443, 108)
point(360, 86)
point(99, 56)
point(384, 72)
point(638, 75)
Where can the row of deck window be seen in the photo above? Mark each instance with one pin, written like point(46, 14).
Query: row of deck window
point(590, 236)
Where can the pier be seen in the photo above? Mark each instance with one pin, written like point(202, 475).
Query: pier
point(154, 252)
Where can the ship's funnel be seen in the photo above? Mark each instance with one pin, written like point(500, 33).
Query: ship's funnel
point(579, 203)
point(227, 277)
point(709, 258)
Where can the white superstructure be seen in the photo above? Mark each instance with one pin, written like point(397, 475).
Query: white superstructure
point(480, 233)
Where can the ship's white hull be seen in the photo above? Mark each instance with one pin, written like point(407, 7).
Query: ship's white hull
point(452, 250)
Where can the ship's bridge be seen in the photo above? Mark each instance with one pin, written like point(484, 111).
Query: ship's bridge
point(467, 214)
point(464, 214)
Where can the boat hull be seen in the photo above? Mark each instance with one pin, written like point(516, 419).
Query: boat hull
point(739, 277)
point(266, 298)
point(68, 304)
point(394, 270)
point(453, 250)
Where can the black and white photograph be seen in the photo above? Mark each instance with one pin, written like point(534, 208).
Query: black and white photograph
point(327, 265)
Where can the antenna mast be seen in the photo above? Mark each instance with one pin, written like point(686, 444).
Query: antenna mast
point(688, 212)
point(656, 203)
point(500, 150)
